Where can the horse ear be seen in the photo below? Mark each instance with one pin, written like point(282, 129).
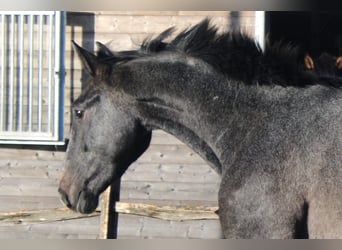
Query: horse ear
point(103, 51)
point(88, 59)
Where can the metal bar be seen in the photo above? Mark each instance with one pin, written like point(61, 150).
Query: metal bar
point(11, 77)
point(61, 45)
point(59, 74)
point(2, 81)
point(40, 66)
point(50, 23)
point(30, 73)
point(21, 73)
point(56, 71)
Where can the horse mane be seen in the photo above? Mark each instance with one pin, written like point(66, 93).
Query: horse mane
point(236, 55)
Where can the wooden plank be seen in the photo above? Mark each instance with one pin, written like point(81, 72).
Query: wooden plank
point(74, 229)
point(242, 14)
point(165, 202)
point(153, 25)
point(169, 190)
point(170, 213)
point(30, 154)
point(23, 169)
point(162, 13)
point(29, 186)
point(15, 202)
point(87, 225)
point(170, 154)
point(136, 13)
point(174, 213)
point(160, 137)
point(139, 227)
point(154, 154)
point(187, 173)
point(41, 216)
point(173, 13)
point(150, 24)
point(48, 234)
point(17, 164)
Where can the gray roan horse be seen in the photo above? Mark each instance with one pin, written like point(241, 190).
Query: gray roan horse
point(271, 129)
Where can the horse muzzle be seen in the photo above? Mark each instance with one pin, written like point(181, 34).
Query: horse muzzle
point(86, 202)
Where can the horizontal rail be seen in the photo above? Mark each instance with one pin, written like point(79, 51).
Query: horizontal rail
point(171, 213)
point(29, 217)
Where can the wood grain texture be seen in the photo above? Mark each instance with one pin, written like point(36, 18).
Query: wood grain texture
point(169, 213)
point(41, 216)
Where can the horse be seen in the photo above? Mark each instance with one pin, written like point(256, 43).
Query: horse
point(325, 63)
point(270, 129)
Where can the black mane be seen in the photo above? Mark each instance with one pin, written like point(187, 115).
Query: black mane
point(235, 55)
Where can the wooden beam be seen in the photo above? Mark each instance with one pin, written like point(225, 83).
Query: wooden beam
point(174, 213)
point(109, 215)
point(42, 216)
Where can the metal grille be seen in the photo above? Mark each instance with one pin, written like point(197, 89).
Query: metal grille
point(31, 77)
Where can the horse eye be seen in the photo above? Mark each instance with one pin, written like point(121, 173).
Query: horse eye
point(79, 113)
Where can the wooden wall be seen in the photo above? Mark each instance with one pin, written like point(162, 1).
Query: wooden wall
point(168, 173)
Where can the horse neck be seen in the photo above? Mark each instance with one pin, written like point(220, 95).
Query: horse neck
point(188, 100)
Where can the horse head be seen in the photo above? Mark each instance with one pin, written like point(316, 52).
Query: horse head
point(105, 137)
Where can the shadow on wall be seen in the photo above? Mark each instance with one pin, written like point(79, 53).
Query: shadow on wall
point(234, 17)
point(81, 29)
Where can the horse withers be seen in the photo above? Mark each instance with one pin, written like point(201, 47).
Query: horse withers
point(270, 129)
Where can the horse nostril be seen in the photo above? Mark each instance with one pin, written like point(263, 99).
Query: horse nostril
point(64, 198)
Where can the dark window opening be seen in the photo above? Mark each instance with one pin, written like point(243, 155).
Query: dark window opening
point(314, 32)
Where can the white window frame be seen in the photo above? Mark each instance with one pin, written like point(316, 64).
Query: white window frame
point(52, 133)
point(259, 30)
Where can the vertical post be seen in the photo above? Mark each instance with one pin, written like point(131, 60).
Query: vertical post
point(109, 217)
point(3, 65)
point(60, 20)
point(260, 28)
point(21, 73)
point(50, 69)
point(40, 20)
point(30, 73)
point(11, 75)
